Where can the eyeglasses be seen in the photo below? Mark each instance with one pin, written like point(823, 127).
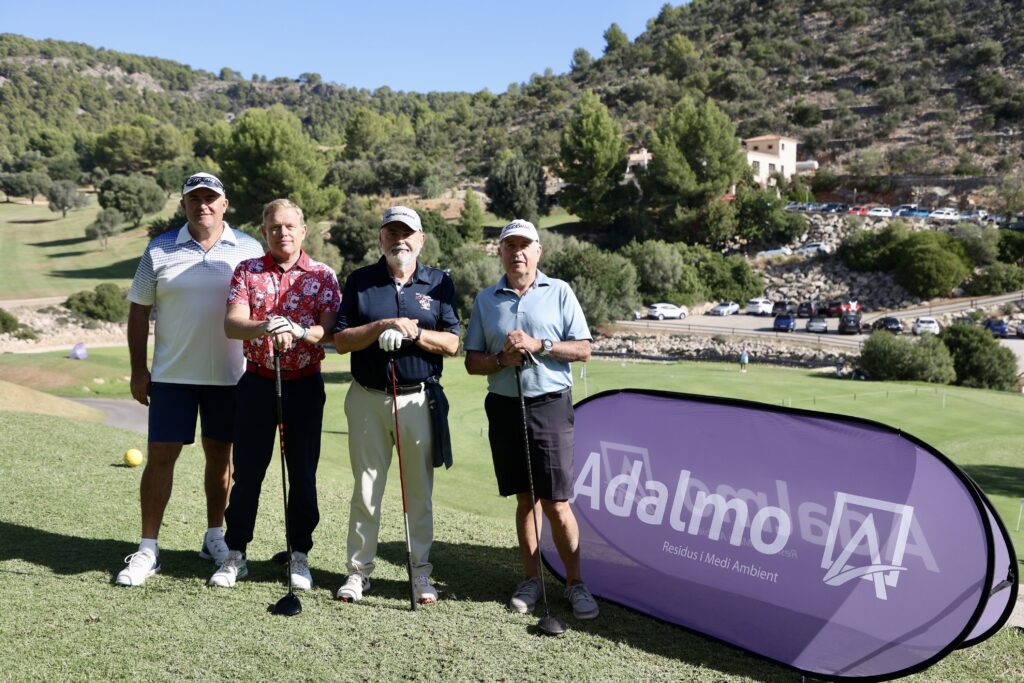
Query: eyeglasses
point(208, 181)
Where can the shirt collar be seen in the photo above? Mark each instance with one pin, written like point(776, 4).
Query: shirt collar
point(228, 235)
point(269, 264)
point(541, 280)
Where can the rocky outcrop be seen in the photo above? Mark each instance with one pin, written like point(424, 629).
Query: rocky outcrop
point(680, 347)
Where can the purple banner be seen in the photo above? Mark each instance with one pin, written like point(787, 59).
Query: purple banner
point(837, 546)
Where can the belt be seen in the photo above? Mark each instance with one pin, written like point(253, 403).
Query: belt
point(285, 374)
point(401, 389)
point(545, 397)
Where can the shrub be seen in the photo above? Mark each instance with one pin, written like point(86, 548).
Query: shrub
point(996, 279)
point(106, 302)
point(930, 265)
point(8, 323)
point(887, 357)
point(979, 360)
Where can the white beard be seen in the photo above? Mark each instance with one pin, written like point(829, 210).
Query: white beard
point(400, 259)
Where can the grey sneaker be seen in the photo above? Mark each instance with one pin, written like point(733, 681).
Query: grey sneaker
point(214, 548)
point(230, 571)
point(352, 590)
point(302, 580)
point(141, 565)
point(526, 596)
point(425, 593)
point(583, 604)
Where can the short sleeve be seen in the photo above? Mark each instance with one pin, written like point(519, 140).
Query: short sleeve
point(143, 289)
point(327, 299)
point(474, 340)
point(347, 308)
point(576, 328)
point(448, 319)
point(238, 292)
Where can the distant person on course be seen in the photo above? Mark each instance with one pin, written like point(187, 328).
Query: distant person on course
point(396, 315)
point(530, 316)
point(283, 302)
point(184, 274)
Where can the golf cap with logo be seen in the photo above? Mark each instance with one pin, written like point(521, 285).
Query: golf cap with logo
point(519, 228)
point(404, 215)
point(207, 180)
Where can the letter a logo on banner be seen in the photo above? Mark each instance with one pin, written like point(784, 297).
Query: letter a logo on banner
point(840, 570)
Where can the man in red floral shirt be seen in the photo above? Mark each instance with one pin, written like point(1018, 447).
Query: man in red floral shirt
point(284, 301)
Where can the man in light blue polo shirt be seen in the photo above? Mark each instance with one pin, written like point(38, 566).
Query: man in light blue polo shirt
point(528, 313)
point(184, 276)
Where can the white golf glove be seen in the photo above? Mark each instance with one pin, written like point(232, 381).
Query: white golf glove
point(390, 340)
point(278, 323)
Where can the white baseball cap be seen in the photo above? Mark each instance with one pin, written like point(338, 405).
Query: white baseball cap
point(519, 228)
point(404, 215)
point(197, 180)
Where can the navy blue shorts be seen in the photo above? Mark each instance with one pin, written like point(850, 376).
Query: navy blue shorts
point(173, 409)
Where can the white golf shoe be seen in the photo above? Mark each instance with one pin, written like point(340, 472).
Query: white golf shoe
point(352, 590)
point(424, 592)
point(302, 580)
point(230, 571)
point(141, 565)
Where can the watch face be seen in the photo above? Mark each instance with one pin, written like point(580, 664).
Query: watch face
point(547, 345)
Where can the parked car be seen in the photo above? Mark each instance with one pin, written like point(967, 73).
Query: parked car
point(1020, 330)
point(858, 210)
point(814, 248)
point(945, 214)
point(889, 324)
point(725, 308)
point(998, 327)
point(911, 212)
point(783, 307)
point(851, 306)
point(810, 309)
point(663, 310)
point(759, 307)
point(834, 308)
point(880, 212)
point(924, 324)
point(817, 326)
point(773, 253)
point(784, 323)
point(849, 323)
point(835, 207)
point(974, 216)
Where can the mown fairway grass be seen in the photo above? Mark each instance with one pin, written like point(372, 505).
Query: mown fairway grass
point(46, 255)
point(68, 514)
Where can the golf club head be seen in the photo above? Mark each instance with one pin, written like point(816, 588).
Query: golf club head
point(551, 625)
point(288, 606)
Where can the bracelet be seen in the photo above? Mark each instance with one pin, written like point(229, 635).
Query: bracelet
point(497, 359)
point(419, 333)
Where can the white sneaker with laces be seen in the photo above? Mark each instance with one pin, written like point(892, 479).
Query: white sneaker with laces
point(352, 590)
point(230, 571)
point(424, 592)
point(142, 564)
point(583, 604)
point(214, 548)
point(302, 580)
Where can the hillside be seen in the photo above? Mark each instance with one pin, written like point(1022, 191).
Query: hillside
point(923, 86)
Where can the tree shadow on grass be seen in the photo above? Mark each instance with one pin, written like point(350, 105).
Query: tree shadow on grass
point(998, 480)
point(32, 221)
point(123, 269)
point(64, 254)
point(337, 377)
point(66, 242)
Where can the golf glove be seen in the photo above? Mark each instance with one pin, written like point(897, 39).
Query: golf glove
point(278, 323)
point(390, 340)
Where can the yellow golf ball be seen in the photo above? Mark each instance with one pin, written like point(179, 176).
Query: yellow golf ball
point(133, 457)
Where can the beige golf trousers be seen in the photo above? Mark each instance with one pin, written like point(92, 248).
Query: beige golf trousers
point(371, 442)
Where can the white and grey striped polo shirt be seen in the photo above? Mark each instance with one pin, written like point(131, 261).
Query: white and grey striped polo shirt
point(188, 288)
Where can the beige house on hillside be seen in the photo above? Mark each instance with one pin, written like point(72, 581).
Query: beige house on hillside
point(770, 154)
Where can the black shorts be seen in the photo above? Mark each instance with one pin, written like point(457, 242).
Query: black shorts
point(550, 419)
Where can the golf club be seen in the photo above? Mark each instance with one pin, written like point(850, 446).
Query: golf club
point(289, 605)
point(401, 478)
point(548, 623)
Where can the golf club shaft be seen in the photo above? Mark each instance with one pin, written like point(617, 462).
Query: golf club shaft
point(529, 473)
point(284, 473)
point(401, 478)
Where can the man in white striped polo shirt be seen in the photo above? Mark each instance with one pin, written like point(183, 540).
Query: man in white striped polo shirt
point(184, 275)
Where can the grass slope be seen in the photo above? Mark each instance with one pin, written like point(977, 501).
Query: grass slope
point(46, 255)
point(69, 514)
point(18, 398)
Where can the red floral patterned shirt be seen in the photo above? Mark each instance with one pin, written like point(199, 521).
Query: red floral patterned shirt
point(308, 289)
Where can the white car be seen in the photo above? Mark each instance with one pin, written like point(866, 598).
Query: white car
point(759, 307)
point(944, 214)
point(922, 325)
point(815, 248)
point(772, 253)
point(725, 308)
point(880, 212)
point(663, 310)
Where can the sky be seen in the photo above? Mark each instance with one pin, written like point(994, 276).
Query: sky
point(408, 45)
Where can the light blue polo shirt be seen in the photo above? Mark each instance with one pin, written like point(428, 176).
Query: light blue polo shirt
point(548, 310)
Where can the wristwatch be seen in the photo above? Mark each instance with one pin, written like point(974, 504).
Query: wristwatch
point(546, 346)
